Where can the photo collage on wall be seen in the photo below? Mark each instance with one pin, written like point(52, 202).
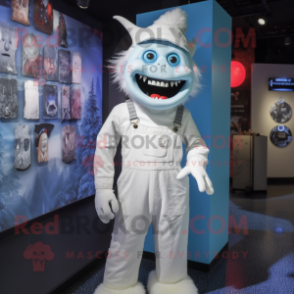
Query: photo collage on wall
point(239, 110)
point(281, 112)
point(48, 90)
point(47, 62)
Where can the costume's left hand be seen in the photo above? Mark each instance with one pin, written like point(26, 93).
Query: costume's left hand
point(197, 167)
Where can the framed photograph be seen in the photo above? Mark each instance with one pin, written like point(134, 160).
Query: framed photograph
point(42, 134)
point(43, 16)
point(76, 68)
point(22, 147)
point(68, 143)
point(20, 11)
point(8, 98)
point(31, 57)
point(8, 48)
point(51, 63)
point(65, 101)
point(64, 66)
point(31, 106)
point(76, 103)
point(50, 102)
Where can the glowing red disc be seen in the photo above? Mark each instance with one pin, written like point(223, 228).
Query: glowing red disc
point(238, 74)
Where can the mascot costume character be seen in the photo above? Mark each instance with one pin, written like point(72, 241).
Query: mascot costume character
point(158, 75)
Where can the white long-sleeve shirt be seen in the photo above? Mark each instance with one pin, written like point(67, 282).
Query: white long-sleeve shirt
point(152, 146)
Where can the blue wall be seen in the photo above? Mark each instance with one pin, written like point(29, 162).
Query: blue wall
point(211, 112)
point(46, 187)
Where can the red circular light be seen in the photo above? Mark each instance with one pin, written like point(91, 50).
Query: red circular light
point(238, 74)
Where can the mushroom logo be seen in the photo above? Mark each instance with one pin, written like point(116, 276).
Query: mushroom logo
point(38, 253)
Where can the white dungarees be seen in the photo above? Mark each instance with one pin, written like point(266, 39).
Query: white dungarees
point(148, 190)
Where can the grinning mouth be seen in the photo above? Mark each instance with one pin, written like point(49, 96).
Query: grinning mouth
point(5, 54)
point(159, 89)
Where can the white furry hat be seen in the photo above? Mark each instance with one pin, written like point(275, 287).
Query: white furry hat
point(171, 26)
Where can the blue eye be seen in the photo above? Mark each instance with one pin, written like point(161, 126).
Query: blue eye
point(173, 59)
point(150, 56)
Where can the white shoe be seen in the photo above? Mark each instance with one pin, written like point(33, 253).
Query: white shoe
point(185, 286)
point(138, 288)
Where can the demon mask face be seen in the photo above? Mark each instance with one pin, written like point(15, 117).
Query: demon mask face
point(8, 47)
point(51, 107)
point(159, 72)
point(22, 147)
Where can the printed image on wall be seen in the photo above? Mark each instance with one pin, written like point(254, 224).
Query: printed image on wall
point(46, 155)
point(281, 111)
point(239, 110)
point(8, 47)
point(281, 136)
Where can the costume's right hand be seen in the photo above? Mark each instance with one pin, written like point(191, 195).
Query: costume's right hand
point(106, 204)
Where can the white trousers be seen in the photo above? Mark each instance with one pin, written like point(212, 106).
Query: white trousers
point(145, 197)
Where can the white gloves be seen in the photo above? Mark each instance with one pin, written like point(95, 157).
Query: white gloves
point(106, 204)
point(197, 167)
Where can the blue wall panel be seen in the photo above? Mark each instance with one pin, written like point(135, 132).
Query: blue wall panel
point(211, 112)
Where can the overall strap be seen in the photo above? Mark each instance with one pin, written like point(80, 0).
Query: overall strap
point(178, 118)
point(132, 112)
point(135, 120)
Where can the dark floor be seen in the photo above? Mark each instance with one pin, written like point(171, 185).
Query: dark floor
point(268, 247)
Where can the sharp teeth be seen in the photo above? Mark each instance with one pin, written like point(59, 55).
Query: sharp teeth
point(140, 77)
point(176, 83)
point(166, 85)
point(149, 82)
point(162, 84)
point(158, 84)
point(154, 83)
point(144, 79)
point(172, 84)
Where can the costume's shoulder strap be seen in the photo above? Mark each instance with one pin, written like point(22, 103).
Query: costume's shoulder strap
point(132, 112)
point(135, 120)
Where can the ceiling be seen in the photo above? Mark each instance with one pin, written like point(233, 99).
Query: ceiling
point(270, 37)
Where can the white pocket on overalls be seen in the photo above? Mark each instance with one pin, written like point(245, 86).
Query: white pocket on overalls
point(158, 145)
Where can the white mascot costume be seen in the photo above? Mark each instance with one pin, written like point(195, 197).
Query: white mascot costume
point(158, 75)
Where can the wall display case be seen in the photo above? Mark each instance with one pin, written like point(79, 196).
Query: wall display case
point(281, 136)
point(249, 163)
point(47, 141)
